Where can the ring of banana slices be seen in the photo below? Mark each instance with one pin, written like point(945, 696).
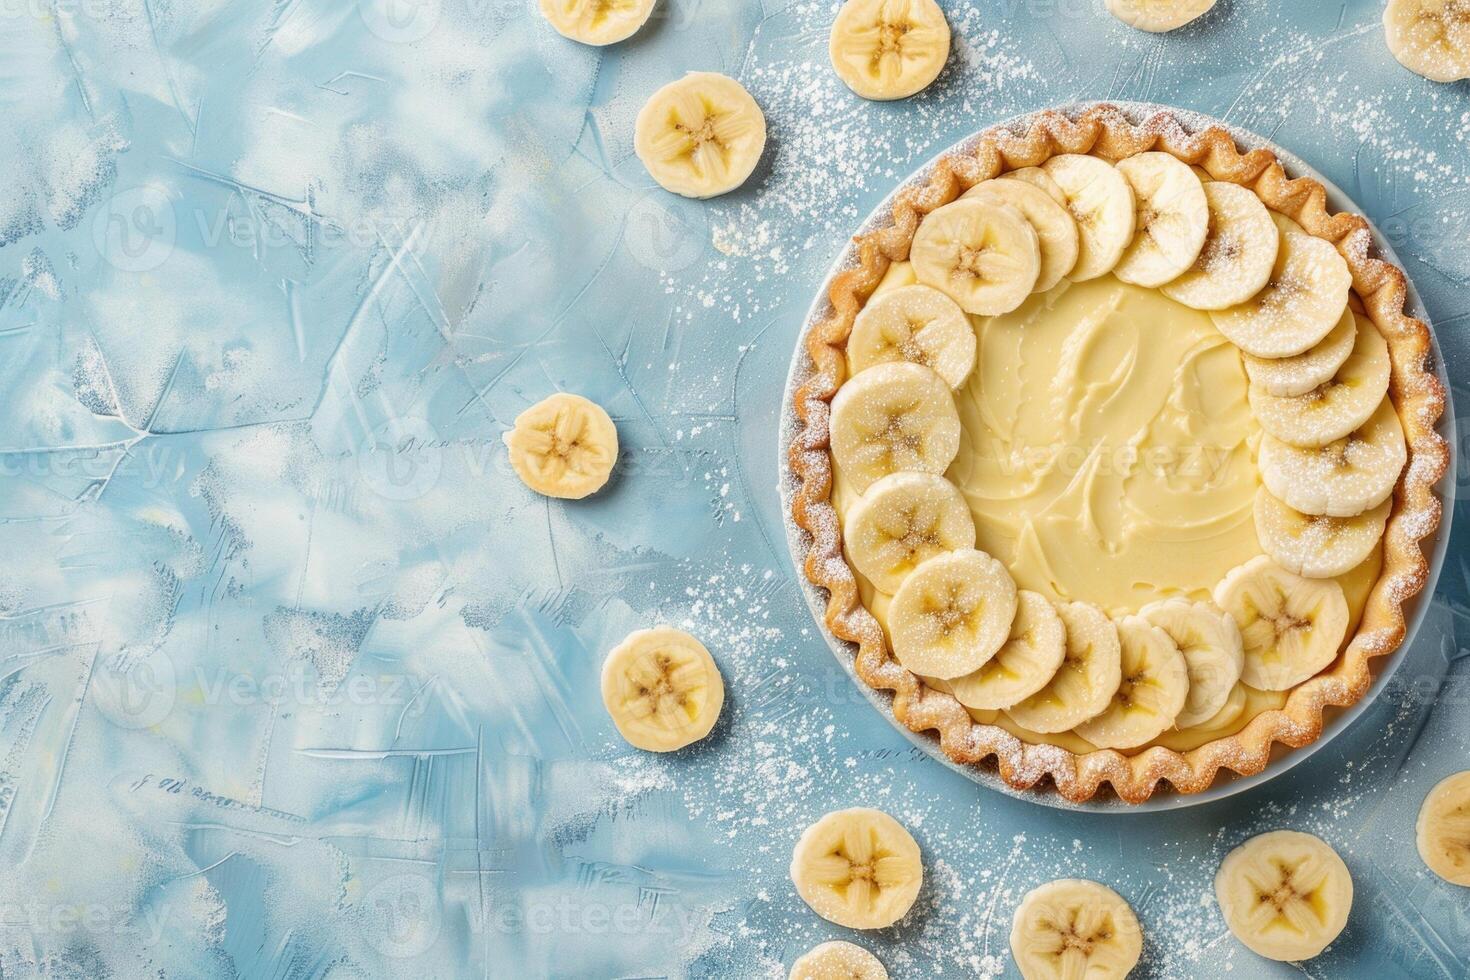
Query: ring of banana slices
point(1339, 383)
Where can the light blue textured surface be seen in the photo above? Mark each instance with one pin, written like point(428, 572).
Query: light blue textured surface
point(297, 680)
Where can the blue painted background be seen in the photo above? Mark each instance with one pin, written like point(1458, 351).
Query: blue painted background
point(297, 680)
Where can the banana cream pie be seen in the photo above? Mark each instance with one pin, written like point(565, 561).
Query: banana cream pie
point(1117, 452)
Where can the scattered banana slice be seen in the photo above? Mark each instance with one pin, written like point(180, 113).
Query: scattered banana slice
point(1443, 830)
point(1158, 16)
point(1072, 929)
point(700, 136)
point(1037, 177)
point(1171, 219)
point(1027, 661)
point(1286, 895)
point(1333, 410)
point(838, 960)
point(1101, 202)
point(952, 614)
point(858, 868)
point(563, 446)
point(1430, 37)
point(1291, 626)
point(903, 520)
point(1298, 375)
point(1056, 232)
point(1342, 478)
point(889, 49)
point(985, 257)
point(1233, 709)
point(892, 418)
point(596, 22)
point(1239, 252)
point(1301, 303)
point(1213, 653)
point(1154, 689)
point(918, 324)
point(1316, 546)
point(662, 689)
point(1084, 684)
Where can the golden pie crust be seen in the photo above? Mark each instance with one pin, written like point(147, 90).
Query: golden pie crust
point(1416, 392)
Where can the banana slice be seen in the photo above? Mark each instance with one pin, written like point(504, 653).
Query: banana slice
point(903, 520)
point(1316, 546)
point(563, 446)
point(596, 22)
point(700, 136)
point(1158, 16)
point(1343, 478)
point(1333, 410)
point(1037, 177)
point(893, 418)
point(1298, 375)
point(917, 324)
point(1154, 689)
point(1073, 929)
point(1025, 664)
point(1101, 202)
point(1430, 37)
point(1286, 895)
point(986, 257)
point(1090, 672)
point(1301, 303)
point(1239, 252)
point(1213, 654)
point(858, 868)
point(952, 614)
point(1171, 219)
point(662, 689)
point(1291, 626)
point(1443, 830)
point(1056, 232)
point(889, 49)
point(838, 960)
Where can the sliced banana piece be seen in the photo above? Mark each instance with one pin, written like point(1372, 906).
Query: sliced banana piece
point(1025, 663)
point(1101, 202)
point(986, 257)
point(1443, 830)
point(1317, 546)
point(1342, 478)
point(1153, 691)
point(1430, 37)
point(1158, 16)
point(1291, 626)
point(662, 689)
point(1315, 366)
point(1301, 303)
point(1171, 219)
point(837, 960)
point(596, 22)
point(889, 49)
point(903, 520)
point(858, 868)
point(1056, 232)
point(563, 446)
point(952, 614)
point(1213, 653)
point(1084, 684)
point(1238, 255)
point(1072, 929)
point(1332, 410)
point(918, 324)
point(1285, 894)
point(1037, 177)
point(700, 136)
point(892, 418)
